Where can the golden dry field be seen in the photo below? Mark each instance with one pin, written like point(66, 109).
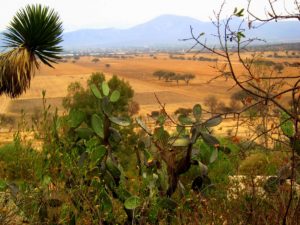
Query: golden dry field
point(138, 72)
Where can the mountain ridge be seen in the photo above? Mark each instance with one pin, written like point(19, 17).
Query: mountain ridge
point(165, 32)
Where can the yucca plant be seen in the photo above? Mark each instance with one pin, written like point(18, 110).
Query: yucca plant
point(33, 36)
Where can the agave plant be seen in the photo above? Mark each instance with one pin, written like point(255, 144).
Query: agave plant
point(33, 36)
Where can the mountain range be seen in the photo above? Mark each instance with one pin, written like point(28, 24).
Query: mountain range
point(166, 31)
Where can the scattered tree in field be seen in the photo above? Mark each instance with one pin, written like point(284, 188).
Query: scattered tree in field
point(171, 76)
point(279, 67)
point(76, 57)
point(159, 74)
point(177, 78)
point(95, 60)
point(183, 111)
point(211, 102)
point(244, 97)
point(188, 77)
point(233, 107)
point(107, 65)
point(154, 114)
point(223, 108)
point(133, 108)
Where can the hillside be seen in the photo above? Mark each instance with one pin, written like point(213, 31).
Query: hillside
point(165, 32)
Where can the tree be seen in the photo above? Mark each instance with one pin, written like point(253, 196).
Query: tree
point(159, 74)
point(169, 76)
point(187, 77)
point(84, 100)
point(212, 103)
point(279, 67)
point(183, 111)
point(95, 60)
point(268, 87)
point(34, 34)
point(177, 77)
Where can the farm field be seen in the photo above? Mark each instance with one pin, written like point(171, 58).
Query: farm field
point(138, 72)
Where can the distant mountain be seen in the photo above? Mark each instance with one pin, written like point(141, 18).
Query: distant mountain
point(165, 32)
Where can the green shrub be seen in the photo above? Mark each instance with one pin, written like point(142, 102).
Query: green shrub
point(260, 163)
point(19, 162)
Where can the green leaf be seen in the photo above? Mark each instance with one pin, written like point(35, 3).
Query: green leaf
point(215, 121)
point(203, 168)
point(132, 202)
point(97, 125)
point(123, 194)
point(180, 129)
point(76, 117)
point(180, 142)
point(82, 159)
point(167, 203)
point(143, 125)
point(84, 133)
point(184, 120)
point(287, 125)
point(225, 149)
point(96, 91)
point(272, 185)
point(105, 88)
point(109, 181)
point(46, 180)
point(115, 96)
point(105, 202)
point(240, 35)
point(107, 106)
point(120, 121)
point(115, 134)
point(3, 185)
point(214, 155)
point(209, 139)
point(161, 119)
point(197, 111)
point(239, 13)
point(97, 154)
point(113, 169)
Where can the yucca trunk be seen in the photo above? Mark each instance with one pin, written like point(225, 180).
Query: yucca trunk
point(17, 67)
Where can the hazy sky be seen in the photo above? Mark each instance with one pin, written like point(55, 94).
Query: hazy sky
point(78, 14)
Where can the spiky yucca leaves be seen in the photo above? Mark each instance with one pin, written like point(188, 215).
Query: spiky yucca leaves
point(34, 34)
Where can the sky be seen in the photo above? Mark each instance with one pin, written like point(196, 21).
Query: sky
point(80, 14)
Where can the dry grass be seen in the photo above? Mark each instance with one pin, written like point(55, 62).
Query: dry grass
point(138, 71)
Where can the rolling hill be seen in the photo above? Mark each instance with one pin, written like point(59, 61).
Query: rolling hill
point(165, 32)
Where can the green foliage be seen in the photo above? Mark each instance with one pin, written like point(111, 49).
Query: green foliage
point(18, 162)
point(132, 202)
point(88, 100)
point(260, 163)
point(170, 76)
point(97, 125)
point(176, 150)
point(239, 13)
point(287, 125)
